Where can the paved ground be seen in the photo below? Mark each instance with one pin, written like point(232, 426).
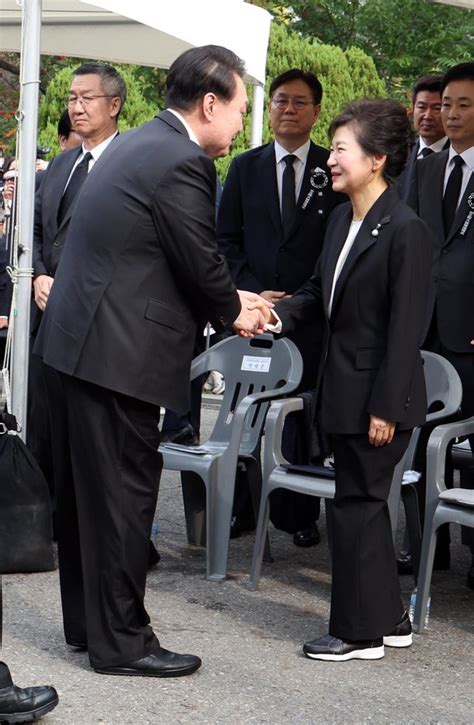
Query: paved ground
point(250, 643)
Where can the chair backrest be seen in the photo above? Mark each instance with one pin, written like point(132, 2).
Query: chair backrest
point(443, 385)
point(250, 366)
point(444, 395)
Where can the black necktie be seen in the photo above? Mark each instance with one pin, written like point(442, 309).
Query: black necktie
point(288, 201)
point(426, 152)
point(451, 195)
point(74, 186)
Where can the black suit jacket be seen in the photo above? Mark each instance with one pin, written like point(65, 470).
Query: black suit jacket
point(405, 179)
point(140, 264)
point(452, 274)
point(371, 363)
point(48, 237)
point(249, 229)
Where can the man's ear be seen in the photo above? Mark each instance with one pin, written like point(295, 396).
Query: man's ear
point(208, 105)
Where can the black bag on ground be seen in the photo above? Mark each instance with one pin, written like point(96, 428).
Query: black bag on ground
point(26, 537)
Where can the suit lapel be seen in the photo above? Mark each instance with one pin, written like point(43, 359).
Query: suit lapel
point(436, 169)
point(61, 177)
point(463, 210)
point(267, 179)
point(308, 195)
point(331, 253)
point(372, 227)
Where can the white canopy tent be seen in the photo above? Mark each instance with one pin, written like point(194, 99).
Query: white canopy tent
point(139, 32)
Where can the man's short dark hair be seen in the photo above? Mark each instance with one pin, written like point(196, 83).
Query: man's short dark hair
point(431, 83)
point(197, 71)
point(460, 72)
point(64, 125)
point(296, 74)
point(110, 79)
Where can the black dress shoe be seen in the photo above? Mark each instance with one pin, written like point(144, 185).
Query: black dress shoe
point(153, 555)
point(333, 649)
point(79, 646)
point(162, 663)
point(470, 578)
point(18, 704)
point(185, 436)
point(401, 635)
point(442, 562)
point(307, 537)
point(235, 527)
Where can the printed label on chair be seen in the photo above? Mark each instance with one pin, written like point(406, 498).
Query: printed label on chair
point(256, 364)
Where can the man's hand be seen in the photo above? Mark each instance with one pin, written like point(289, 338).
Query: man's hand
point(254, 314)
point(42, 287)
point(380, 431)
point(273, 295)
point(3, 323)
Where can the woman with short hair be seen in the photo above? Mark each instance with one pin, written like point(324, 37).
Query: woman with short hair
point(372, 280)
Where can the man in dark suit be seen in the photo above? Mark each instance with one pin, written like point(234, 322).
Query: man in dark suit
point(427, 123)
point(97, 119)
point(96, 97)
point(139, 268)
point(271, 223)
point(442, 193)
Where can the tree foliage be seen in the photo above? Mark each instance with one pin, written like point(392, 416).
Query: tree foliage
point(405, 38)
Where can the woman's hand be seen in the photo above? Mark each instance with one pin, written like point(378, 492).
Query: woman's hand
point(380, 431)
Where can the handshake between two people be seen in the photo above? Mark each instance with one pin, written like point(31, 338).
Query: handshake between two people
point(255, 313)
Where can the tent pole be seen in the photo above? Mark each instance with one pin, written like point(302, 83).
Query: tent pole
point(258, 101)
point(28, 128)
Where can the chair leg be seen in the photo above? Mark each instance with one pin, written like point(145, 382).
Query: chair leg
point(424, 577)
point(219, 515)
point(413, 524)
point(260, 539)
point(393, 501)
point(254, 471)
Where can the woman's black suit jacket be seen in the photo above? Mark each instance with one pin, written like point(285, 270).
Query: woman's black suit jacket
point(371, 363)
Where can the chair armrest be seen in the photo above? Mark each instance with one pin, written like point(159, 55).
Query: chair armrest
point(438, 443)
point(243, 410)
point(274, 423)
point(200, 365)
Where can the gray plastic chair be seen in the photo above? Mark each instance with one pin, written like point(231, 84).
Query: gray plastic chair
point(443, 386)
point(256, 371)
point(277, 475)
point(442, 506)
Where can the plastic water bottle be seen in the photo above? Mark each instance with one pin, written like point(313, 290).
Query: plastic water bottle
point(154, 531)
point(411, 609)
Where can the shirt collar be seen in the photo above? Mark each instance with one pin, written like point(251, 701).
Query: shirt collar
point(99, 149)
point(186, 125)
point(301, 153)
point(436, 146)
point(467, 155)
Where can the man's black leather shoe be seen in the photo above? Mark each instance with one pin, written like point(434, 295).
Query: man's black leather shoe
point(185, 436)
point(307, 537)
point(401, 635)
point(18, 704)
point(162, 663)
point(153, 555)
point(470, 578)
point(235, 527)
point(333, 649)
point(442, 562)
point(78, 646)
